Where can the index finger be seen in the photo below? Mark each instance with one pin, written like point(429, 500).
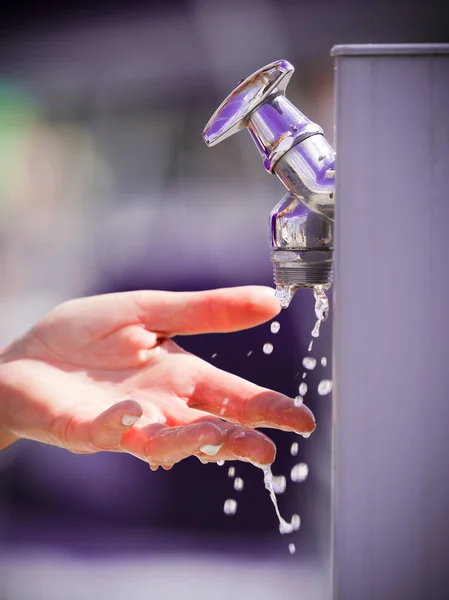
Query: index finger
point(211, 311)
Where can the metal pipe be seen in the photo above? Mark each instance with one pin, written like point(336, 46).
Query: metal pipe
point(391, 331)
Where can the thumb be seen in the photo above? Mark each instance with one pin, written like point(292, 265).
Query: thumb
point(108, 428)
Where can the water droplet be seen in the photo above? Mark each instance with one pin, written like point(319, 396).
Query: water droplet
point(279, 484)
point(298, 401)
point(309, 362)
point(316, 330)
point(296, 522)
point(225, 401)
point(294, 449)
point(284, 294)
point(321, 303)
point(238, 484)
point(304, 375)
point(303, 389)
point(268, 348)
point(324, 361)
point(309, 349)
point(285, 527)
point(214, 355)
point(230, 507)
point(231, 471)
point(220, 463)
point(275, 326)
point(321, 308)
point(325, 387)
point(249, 353)
point(292, 548)
point(299, 472)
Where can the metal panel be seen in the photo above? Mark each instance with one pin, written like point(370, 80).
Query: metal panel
point(391, 330)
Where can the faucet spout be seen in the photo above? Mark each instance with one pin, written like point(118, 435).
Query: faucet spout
point(295, 150)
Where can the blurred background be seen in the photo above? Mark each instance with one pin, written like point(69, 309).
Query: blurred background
point(106, 185)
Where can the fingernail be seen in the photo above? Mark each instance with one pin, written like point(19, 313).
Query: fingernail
point(129, 420)
point(210, 449)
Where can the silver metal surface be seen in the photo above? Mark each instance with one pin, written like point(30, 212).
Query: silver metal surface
point(295, 149)
point(251, 93)
point(391, 330)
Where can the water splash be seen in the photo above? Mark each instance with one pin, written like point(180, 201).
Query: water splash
point(230, 506)
point(284, 526)
point(299, 472)
point(298, 401)
point(296, 522)
point(308, 362)
point(275, 326)
point(279, 484)
point(303, 388)
point(321, 308)
point(238, 484)
point(325, 387)
point(284, 294)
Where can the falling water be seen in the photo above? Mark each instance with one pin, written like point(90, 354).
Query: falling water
point(284, 294)
point(299, 472)
point(277, 484)
point(321, 308)
point(325, 387)
point(284, 526)
point(309, 362)
point(275, 326)
point(238, 484)
point(230, 506)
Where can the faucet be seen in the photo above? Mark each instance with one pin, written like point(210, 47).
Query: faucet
point(295, 149)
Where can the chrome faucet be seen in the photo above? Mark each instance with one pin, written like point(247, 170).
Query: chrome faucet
point(295, 149)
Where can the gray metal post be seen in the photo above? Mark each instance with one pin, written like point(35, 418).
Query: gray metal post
point(391, 324)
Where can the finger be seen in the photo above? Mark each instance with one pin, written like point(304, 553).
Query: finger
point(213, 311)
point(163, 445)
point(241, 443)
point(235, 399)
point(107, 430)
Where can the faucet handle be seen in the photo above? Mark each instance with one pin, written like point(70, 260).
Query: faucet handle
point(232, 114)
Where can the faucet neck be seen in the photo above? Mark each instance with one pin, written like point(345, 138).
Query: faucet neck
point(276, 126)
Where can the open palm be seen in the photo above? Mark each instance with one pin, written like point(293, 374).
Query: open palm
point(102, 373)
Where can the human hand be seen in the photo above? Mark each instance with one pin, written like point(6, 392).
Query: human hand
point(101, 373)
